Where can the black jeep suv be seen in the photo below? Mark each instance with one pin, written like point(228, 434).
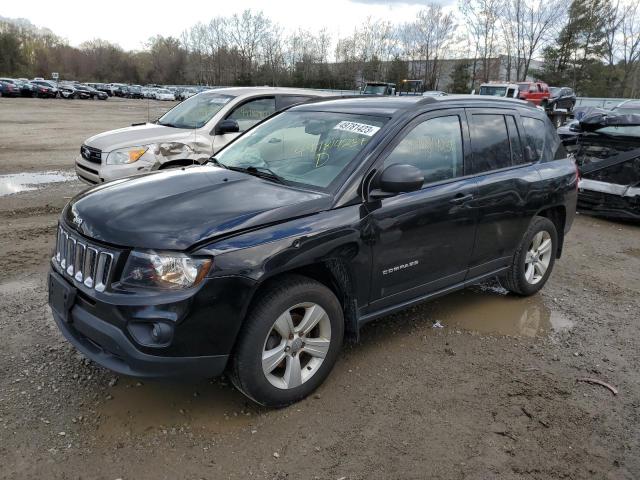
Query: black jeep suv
point(311, 224)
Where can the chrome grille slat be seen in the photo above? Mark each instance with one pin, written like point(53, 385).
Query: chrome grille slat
point(86, 264)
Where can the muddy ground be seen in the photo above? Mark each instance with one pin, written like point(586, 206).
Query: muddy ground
point(491, 395)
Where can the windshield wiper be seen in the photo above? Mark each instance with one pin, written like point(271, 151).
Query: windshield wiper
point(261, 172)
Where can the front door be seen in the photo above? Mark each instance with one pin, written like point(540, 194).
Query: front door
point(422, 240)
point(247, 114)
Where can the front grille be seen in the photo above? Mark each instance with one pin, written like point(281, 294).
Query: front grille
point(91, 154)
point(90, 170)
point(85, 263)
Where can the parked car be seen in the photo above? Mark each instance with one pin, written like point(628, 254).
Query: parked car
point(164, 94)
point(27, 89)
point(85, 91)
point(119, 89)
point(497, 89)
point(45, 88)
point(561, 98)
point(68, 91)
point(80, 91)
point(101, 87)
point(149, 93)
point(379, 88)
point(189, 133)
point(606, 146)
point(11, 87)
point(535, 92)
point(134, 91)
point(319, 220)
point(8, 89)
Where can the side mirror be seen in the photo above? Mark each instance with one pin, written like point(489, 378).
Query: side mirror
point(227, 126)
point(398, 178)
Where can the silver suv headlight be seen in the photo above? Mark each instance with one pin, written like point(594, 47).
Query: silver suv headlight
point(167, 271)
point(127, 155)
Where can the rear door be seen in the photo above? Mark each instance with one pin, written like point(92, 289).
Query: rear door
point(507, 196)
point(422, 240)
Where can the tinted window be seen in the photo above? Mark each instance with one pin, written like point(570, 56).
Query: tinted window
point(286, 101)
point(434, 146)
point(514, 140)
point(534, 131)
point(543, 139)
point(490, 143)
point(253, 111)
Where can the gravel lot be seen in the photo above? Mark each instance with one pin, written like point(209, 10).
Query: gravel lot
point(491, 395)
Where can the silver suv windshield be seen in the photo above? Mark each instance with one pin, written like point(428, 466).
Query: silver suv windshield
point(196, 111)
point(493, 91)
point(306, 148)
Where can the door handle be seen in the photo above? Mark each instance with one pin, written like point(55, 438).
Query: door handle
point(459, 199)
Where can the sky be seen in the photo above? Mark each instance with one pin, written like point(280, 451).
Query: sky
point(131, 23)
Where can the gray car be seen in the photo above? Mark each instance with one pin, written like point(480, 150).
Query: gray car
point(189, 133)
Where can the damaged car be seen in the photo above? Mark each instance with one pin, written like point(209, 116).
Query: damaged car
point(187, 134)
point(320, 219)
point(606, 146)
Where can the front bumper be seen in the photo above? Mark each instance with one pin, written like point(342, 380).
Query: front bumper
point(95, 173)
point(105, 326)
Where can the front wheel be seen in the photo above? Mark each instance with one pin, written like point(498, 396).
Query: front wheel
point(534, 258)
point(289, 343)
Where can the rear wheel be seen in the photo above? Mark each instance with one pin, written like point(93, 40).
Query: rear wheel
point(289, 343)
point(534, 258)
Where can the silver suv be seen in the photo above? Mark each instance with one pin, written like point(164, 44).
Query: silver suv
point(189, 133)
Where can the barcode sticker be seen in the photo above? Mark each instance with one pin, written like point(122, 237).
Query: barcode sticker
point(361, 128)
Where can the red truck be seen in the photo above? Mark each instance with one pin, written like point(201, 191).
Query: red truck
point(534, 92)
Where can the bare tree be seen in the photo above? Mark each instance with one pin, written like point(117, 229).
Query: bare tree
point(428, 40)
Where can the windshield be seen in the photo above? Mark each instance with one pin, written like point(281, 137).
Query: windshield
point(493, 91)
point(162, 90)
point(375, 89)
point(196, 111)
point(306, 148)
point(555, 91)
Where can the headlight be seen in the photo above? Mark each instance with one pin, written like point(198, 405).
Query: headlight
point(169, 271)
point(126, 155)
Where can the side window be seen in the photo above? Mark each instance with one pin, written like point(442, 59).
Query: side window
point(288, 100)
point(253, 111)
point(543, 139)
point(514, 140)
point(535, 133)
point(489, 142)
point(434, 146)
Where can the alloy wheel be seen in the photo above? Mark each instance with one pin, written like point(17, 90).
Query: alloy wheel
point(538, 257)
point(296, 345)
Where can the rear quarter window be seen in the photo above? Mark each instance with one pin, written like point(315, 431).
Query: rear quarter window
point(543, 140)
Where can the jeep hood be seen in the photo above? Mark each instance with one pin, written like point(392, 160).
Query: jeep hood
point(139, 135)
point(175, 209)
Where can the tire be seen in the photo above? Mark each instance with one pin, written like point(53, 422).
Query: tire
point(277, 385)
point(520, 279)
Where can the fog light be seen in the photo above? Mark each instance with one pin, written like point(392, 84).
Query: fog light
point(161, 333)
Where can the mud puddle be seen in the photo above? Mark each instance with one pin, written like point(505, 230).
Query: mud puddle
point(167, 407)
point(488, 309)
point(24, 182)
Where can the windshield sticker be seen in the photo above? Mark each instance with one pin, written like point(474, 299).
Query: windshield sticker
point(354, 127)
point(218, 100)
